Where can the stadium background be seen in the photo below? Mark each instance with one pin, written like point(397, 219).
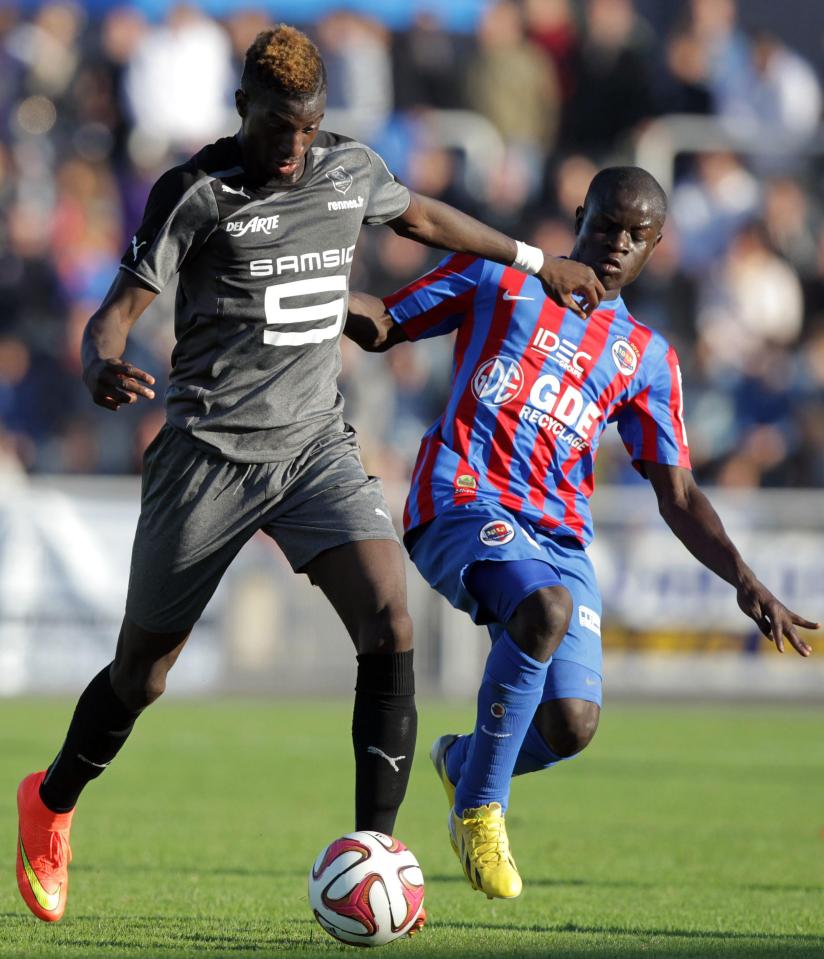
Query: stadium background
point(505, 110)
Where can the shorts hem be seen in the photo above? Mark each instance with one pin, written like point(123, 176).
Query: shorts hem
point(300, 566)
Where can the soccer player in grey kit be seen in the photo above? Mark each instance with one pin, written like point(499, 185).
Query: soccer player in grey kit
point(260, 228)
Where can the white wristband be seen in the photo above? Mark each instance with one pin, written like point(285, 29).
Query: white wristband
point(528, 259)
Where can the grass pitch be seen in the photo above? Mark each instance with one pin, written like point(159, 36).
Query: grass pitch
point(681, 832)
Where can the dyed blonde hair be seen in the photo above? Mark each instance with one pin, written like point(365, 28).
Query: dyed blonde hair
point(285, 59)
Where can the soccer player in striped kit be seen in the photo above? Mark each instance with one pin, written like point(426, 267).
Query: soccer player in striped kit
point(498, 518)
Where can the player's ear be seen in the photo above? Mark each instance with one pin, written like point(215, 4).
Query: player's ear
point(579, 219)
point(241, 103)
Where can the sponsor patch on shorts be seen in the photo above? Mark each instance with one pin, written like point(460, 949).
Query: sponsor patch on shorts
point(589, 619)
point(497, 533)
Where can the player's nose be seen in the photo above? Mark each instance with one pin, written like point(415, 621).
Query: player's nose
point(619, 241)
point(292, 145)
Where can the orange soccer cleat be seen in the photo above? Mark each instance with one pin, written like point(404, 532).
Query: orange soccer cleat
point(43, 852)
point(418, 924)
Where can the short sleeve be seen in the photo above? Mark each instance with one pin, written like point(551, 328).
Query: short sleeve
point(181, 213)
point(651, 423)
point(388, 198)
point(435, 304)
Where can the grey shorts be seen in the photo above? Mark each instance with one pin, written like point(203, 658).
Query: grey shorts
point(198, 509)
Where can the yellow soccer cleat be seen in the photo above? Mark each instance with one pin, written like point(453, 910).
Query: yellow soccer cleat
point(438, 756)
point(481, 844)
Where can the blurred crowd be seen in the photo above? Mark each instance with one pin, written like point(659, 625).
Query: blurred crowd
point(508, 123)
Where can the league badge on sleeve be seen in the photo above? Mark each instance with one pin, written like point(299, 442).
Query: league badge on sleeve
point(625, 356)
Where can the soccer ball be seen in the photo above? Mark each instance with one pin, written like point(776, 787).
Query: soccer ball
point(366, 889)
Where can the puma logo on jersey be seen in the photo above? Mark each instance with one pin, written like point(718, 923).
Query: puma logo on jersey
point(229, 189)
point(258, 224)
point(135, 247)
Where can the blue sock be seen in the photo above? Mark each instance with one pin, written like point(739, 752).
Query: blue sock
point(511, 691)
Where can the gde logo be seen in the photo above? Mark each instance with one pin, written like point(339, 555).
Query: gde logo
point(497, 381)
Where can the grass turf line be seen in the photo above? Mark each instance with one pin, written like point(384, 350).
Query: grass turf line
point(682, 832)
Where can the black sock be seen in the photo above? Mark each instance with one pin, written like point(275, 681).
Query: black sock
point(99, 727)
point(384, 726)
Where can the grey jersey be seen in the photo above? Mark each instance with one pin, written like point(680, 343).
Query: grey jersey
point(261, 297)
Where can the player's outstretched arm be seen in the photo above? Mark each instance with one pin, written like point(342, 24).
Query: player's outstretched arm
point(690, 515)
point(369, 324)
point(110, 379)
point(568, 283)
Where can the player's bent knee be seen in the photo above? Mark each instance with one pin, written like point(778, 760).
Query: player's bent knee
point(388, 631)
point(142, 662)
point(136, 692)
point(571, 728)
point(541, 621)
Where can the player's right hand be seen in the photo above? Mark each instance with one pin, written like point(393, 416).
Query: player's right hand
point(114, 382)
point(564, 280)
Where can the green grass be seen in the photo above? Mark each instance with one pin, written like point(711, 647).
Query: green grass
point(682, 832)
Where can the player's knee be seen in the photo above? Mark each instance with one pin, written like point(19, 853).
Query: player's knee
point(387, 631)
point(137, 691)
point(541, 621)
point(571, 733)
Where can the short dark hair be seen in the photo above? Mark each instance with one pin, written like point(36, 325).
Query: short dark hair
point(286, 60)
point(614, 179)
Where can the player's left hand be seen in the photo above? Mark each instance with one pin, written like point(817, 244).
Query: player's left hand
point(773, 618)
point(564, 280)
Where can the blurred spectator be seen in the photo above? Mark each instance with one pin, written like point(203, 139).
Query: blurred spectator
point(751, 304)
point(428, 66)
point(685, 88)
point(179, 82)
point(48, 48)
point(790, 222)
point(781, 101)
point(612, 90)
point(551, 25)
point(713, 26)
point(512, 83)
point(710, 206)
point(357, 54)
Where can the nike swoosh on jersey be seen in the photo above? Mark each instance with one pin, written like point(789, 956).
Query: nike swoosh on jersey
point(510, 296)
point(46, 900)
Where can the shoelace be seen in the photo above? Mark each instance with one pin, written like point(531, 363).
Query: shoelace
point(487, 839)
point(59, 855)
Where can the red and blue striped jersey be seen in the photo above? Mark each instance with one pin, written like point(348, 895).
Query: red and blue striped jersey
point(533, 386)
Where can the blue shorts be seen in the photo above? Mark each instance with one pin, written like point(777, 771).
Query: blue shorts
point(446, 547)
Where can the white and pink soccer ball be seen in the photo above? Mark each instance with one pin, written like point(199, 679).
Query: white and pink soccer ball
point(366, 889)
